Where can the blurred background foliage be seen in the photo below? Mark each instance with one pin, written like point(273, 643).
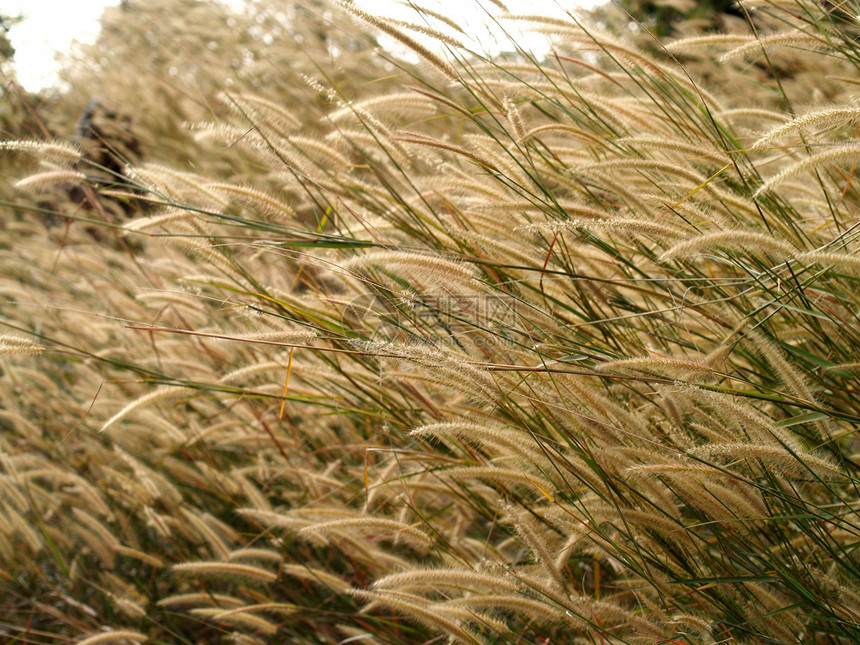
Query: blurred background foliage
point(159, 64)
point(664, 17)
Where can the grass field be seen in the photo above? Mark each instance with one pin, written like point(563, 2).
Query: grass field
point(437, 346)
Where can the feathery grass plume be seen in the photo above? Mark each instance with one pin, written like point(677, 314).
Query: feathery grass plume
point(285, 336)
point(155, 521)
point(571, 130)
point(777, 620)
point(96, 528)
point(757, 114)
point(421, 265)
point(785, 371)
point(216, 545)
point(689, 468)
point(515, 118)
point(183, 300)
point(201, 598)
point(387, 28)
point(849, 605)
point(215, 568)
point(12, 493)
point(498, 4)
point(158, 221)
point(589, 39)
point(499, 248)
point(630, 485)
point(374, 525)
point(738, 419)
point(696, 44)
point(485, 149)
point(271, 519)
point(503, 476)
point(701, 150)
point(493, 438)
point(238, 617)
point(787, 5)
point(376, 134)
point(262, 202)
point(826, 118)
point(660, 365)
point(438, 36)
point(447, 367)
point(59, 152)
point(399, 105)
point(154, 483)
point(539, 541)
point(793, 463)
point(766, 44)
point(622, 225)
point(15, 524)
point(263, 111)
point(718, 502)
point(243, 639)
point(421, 611)
point(115, 636)
point(173, 184)
point(194, 244)
point(696, 623)
point(430, 579)
point(316, 575)
point(319, 153)
point(423, 140)
point(206, 131)
point(127, 606)
point(839, 261)
point(620, 192)
point(251, 370)
point(694, 178)
point(839, 153)
point(51, 179)
point(533, 610)
point(296, 165)
point(148, 558)
point(747, 241)
point(17, 346)
point(487, 623)
point(843, 367)
point(425, 12)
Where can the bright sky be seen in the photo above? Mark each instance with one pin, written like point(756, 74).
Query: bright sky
point(50, 26)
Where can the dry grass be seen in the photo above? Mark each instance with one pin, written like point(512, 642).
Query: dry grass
point(564, 351)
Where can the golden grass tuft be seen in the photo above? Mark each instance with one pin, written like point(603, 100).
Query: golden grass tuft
point(436, 344)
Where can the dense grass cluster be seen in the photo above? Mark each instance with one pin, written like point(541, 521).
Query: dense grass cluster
point(508, 350)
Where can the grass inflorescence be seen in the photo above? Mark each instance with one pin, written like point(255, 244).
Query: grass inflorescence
point(564, 349)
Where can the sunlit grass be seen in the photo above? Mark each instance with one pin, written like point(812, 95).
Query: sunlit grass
point(565, 350)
